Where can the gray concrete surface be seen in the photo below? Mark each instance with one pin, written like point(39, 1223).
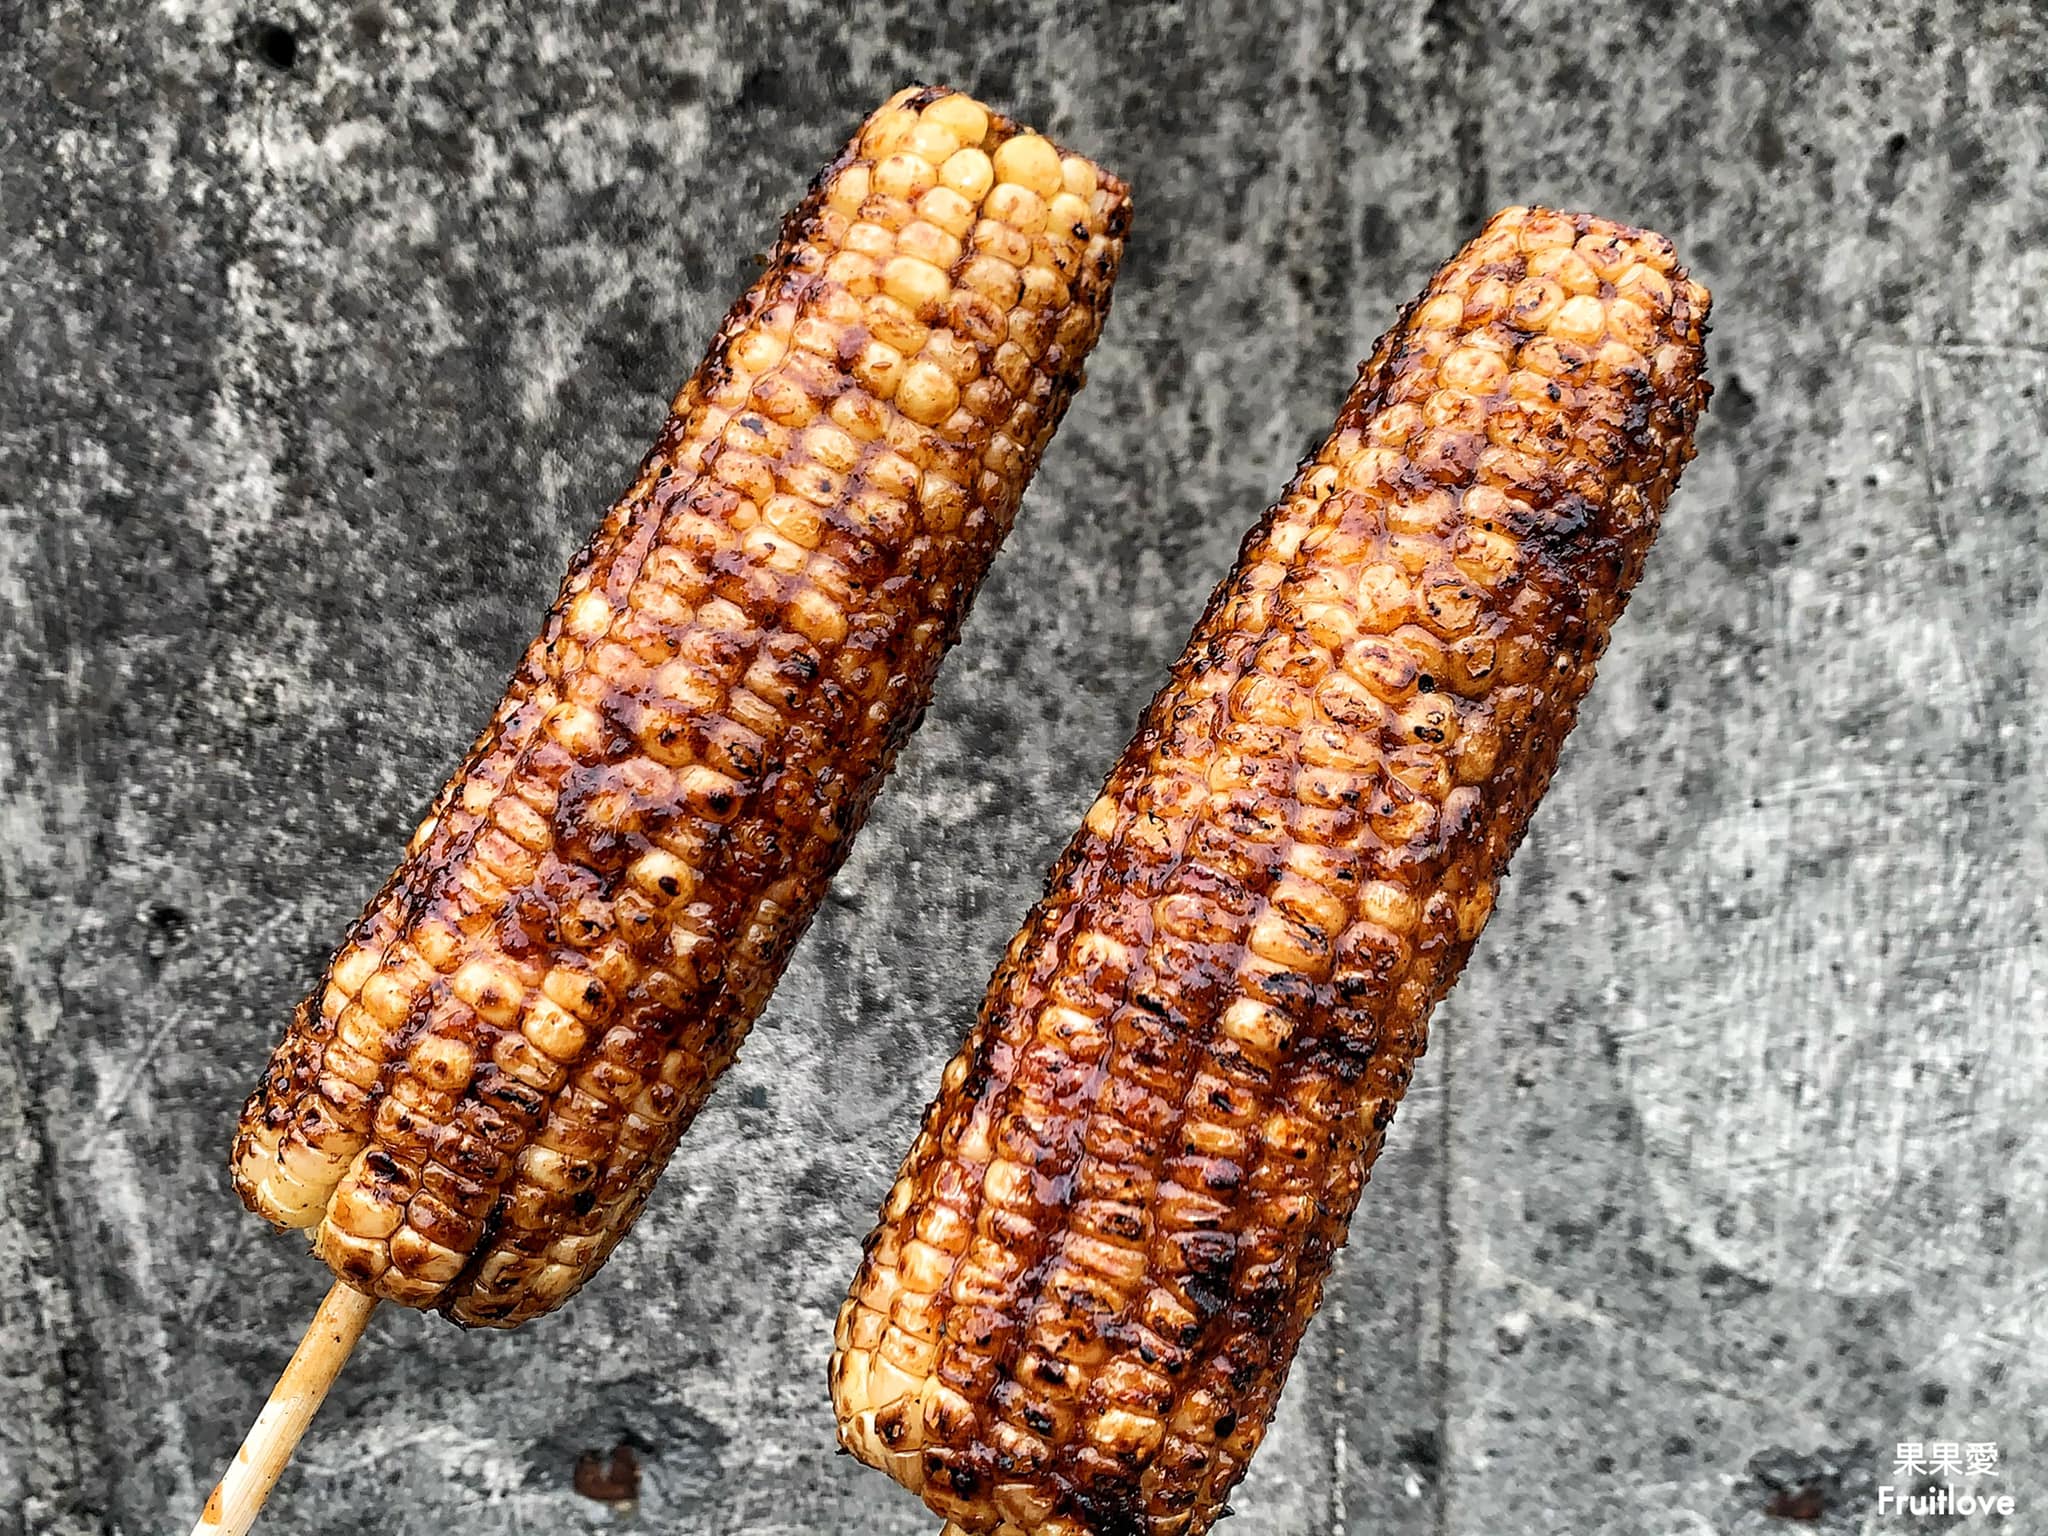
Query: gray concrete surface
point(322, 348)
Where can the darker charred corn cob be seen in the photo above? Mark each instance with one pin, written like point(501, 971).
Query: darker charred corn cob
point(471, 1109)
point(1090, 1277)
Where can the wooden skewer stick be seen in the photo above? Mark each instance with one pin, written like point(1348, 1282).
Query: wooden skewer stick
point(238, 1496)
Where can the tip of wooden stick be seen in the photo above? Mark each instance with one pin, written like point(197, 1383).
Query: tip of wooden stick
point(238, 1497)
point(209, 1517)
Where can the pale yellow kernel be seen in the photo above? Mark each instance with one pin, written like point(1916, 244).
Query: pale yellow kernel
point(924, 1268)
point(852, 271)
point(1629, 321)
point(859, 415)
point(360, 1029)
point(442, 1062)
point(1648, 282)
point(994, 238)
point(959, 357)
point(927, 394)
point(754, 350)
point(997, 281)
point(831, 446)
point(1008, 1185)
point(1534, 301)
point(918, 285)
point(943, 502)
point(576, 990)
point(362, 1259)
point(890, 213)
point(387, 997)
point(891, 322)
point(1030, 161)
point(554, 1030)
point(1488, 558)
point(1444, 312)
point(1580, 318)
point(1428, 718)
point(524, 825)
point(1067, 218)
point(948, 210)
point(870, 240)
point(589, 616)
point(764, 545)
point(817, 335)
point(1124, 1434)
point(572, 1256)
point(1287, 944)
point(927, 242)
point(931, 143)
point(816, 617)
point(1078, 176)
point(1390, 906)
point(962, 116)
point(890, 474)
point(352, 1064)
point(424, 1260)
point(303, 1163)
point(1016, 206)
point(849, 190)
point(488, 990)
point(1101, 818)
point(683, 684)
point(545, 1168)
point(969, 173)
point(1310, 903)
point(1569, 268)
point(356, 966)
point(518, 1057)
point(1382, 590)
point(1257, 1026)
point(1544, 230)
point(904, 176)
point(1477, 369)
point(886, 132)
point(795, 519)
point(709, 793)
point(880, 369)
point(887, 1384)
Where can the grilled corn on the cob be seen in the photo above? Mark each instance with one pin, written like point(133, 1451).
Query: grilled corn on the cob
point(1090, 1278)
point(471, 1109)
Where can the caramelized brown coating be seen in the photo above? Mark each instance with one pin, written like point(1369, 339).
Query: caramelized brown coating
point(1090, 1278)
point(472, 1108)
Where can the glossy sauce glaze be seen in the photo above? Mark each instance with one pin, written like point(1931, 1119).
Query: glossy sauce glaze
point(1090, 1278)
point(471, 1110)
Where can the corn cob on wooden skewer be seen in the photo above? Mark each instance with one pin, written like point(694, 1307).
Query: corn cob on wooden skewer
point(1089, 1280)
point(470, 1111)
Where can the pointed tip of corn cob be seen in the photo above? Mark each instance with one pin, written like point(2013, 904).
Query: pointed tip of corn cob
point(473, 1107)
point(1089, 1279)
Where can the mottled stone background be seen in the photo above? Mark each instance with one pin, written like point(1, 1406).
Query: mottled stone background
point(327, 331)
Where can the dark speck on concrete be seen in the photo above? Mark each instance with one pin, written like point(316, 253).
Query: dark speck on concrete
point(275, 44)
point(608, 1477)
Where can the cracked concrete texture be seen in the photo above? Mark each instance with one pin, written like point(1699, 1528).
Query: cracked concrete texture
point(329, 331)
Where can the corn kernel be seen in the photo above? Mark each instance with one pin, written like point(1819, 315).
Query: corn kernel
point(926, 394)
point(969, 173)
point(961, 116)
point(1029, 161)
